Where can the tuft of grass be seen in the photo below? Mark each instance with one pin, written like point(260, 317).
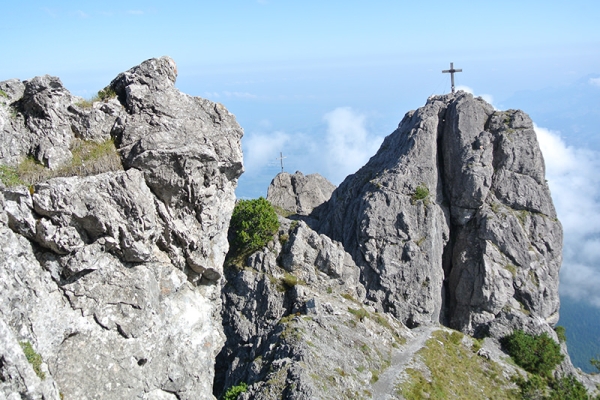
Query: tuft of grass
point(348, 296)
point(359, 313)
point(103, 95)
point(290, 280)
point(34, 359)
point(495, 207)
point(89, 158)
point(512, 269)
point(106, 94)
point(284, 238)
point(10, 176)
point(283, 212)
point(3, 94)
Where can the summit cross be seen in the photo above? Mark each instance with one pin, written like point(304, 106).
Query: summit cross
point(451, 71)
point(281, 157)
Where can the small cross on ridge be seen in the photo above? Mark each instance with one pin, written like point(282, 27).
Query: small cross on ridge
point(281, 157)
point(451, 71)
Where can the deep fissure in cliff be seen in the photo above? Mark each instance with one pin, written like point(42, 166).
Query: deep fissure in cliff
point(447, 253)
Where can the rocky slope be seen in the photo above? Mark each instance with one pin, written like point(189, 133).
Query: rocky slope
point(113, 279)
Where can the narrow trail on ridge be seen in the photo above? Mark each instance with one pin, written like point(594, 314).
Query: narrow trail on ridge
point(384, 388)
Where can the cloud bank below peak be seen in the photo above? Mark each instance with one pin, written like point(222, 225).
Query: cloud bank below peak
point(572, 175)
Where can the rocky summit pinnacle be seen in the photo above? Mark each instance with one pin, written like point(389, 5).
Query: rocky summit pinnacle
point(452, 221)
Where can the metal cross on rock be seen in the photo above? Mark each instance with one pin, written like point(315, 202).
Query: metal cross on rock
point(451, 71)
point(281, 157)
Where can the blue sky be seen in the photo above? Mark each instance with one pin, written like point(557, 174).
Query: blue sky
point(324, 81)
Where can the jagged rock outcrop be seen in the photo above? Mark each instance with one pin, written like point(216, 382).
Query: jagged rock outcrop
point(452, 221)
point(296, 325)
point(114, 278)
point(297, 193)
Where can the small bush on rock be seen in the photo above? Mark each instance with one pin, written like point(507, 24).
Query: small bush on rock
point(233, 392)
point(537, 354)
point(561, 332)
point(253, 224)
point(421, 193)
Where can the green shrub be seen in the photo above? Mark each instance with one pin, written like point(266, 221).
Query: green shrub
point(568, 388)
point(595, 361)
point(233, 392)
point(535, 387)
point(538, 354)
point(253, 224)
point(106, 94)
point(421, 193)
point(3, 94)
point(34, 359)
point(561, 332)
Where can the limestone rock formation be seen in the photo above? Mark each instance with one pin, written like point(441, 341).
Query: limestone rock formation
point(452, 221)
point(114, 278)
point(299, 194)
point(293, 317)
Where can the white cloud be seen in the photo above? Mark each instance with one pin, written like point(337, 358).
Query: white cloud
point(595, 81)
point(574, 181)
point(261, 150)
point(348, 144)
point(487, 97)
point(135, 12)
point(335, 150)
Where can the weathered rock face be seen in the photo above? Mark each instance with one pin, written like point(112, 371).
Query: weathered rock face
point(295, 322)
point(452, 220)
point(114, 278)
point(299, 194)
point(40, 118)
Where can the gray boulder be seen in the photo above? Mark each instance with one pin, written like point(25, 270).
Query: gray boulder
point(114, 278)
point(299, 194)
point(452, 220)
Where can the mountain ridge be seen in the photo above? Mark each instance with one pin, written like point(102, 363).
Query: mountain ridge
point(117, 283)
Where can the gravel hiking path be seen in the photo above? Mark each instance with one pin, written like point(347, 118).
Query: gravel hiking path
point(384, 388)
